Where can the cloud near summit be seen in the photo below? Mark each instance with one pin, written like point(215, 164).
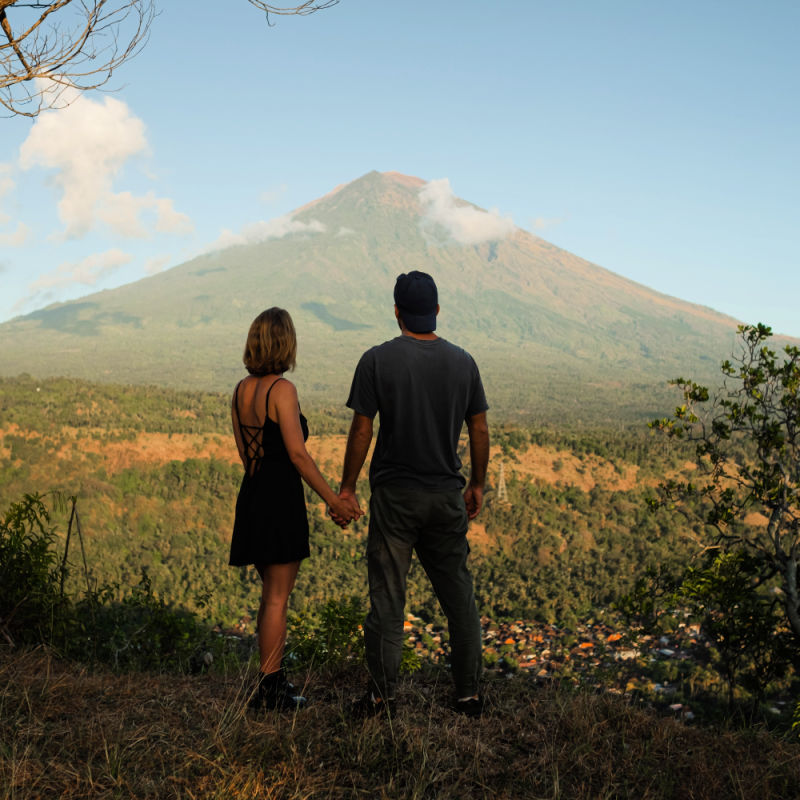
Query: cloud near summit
point(256, 232)
point(464, 223)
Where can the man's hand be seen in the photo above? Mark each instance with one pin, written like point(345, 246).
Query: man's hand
point(479, 460)
point(358, 442)
point(473, 499)
point(346, 510)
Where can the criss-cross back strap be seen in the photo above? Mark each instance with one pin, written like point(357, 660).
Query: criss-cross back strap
point(252, 435)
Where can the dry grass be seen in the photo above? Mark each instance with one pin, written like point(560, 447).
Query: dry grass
point(67, 732)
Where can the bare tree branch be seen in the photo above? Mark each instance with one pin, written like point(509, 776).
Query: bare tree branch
point(309, 7)
point(53, 50)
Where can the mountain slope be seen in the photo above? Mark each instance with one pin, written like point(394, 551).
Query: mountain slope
point(555, 335)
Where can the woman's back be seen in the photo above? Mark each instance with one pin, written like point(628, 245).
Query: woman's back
point(258, 435)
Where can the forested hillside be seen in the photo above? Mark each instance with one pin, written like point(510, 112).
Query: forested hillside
point(156, 474)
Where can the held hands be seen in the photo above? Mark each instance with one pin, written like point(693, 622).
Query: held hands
point(345, 509)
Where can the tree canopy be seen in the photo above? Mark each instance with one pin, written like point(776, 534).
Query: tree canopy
point(747, 491)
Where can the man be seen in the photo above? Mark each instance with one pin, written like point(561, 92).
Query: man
point(423, 388)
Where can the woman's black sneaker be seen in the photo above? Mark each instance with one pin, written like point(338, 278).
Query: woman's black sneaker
point(275, 692)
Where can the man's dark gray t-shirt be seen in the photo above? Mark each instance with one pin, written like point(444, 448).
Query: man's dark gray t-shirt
point(423, 390)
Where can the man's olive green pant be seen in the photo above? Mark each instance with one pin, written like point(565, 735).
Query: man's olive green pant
point(434, 524)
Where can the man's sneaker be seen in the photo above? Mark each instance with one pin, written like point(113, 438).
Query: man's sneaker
point(371, 706)
point(275, 692)
point(469, 706)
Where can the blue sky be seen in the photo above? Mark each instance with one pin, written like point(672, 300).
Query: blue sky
point(660, 141)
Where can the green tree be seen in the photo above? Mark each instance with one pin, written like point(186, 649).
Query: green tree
point(747, 485)
point(751, 646)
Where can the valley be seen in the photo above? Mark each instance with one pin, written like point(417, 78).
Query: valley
point(156, 473)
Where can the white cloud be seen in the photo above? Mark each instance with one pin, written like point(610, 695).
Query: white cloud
point(156, 264)
point(87, 271)
point(87, 144)
point(17, 238)
point(344, 231)
point(122, 213)
point(168, 220)
point(466, 224)
point(261, 231)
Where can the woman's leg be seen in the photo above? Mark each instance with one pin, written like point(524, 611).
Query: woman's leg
point(277, 584)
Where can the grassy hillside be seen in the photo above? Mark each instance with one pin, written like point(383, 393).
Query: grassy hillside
point(71, 734)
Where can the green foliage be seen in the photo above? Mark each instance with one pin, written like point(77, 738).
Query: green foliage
point(330, 636)
point(28, 401)
point(410, 661)
point(742, 619)
point(746, 438)
point(139, 633)
point(651, 602)
point(554, 554)
point(744, 650)
point(747, 445)
point(31, 602)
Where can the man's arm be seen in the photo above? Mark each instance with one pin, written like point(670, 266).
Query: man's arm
point(478, 430)
point(358, 442)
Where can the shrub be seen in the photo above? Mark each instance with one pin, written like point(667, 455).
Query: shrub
point(139, 633)
point(32, 605)
point(329, 636)
point(332, 635)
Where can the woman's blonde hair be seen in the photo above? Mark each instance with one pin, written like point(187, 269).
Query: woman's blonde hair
point(271, 346)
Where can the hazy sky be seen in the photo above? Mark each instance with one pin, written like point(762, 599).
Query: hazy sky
point(658, 140)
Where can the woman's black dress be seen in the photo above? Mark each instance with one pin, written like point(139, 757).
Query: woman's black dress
point(271, 526)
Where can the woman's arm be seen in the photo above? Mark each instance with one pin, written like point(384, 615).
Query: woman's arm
point(237, 434)
point(284, 397)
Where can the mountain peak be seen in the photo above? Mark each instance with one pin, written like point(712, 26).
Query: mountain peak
point(405, 180)
point(376, 189)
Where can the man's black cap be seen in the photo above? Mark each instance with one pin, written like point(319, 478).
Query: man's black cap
point(416, 298)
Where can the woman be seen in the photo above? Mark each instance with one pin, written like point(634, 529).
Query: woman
point(271, 526)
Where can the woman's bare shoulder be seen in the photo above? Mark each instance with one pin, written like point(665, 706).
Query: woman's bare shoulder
point(284, 389)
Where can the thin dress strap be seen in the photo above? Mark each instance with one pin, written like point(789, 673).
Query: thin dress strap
point(266, 399)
